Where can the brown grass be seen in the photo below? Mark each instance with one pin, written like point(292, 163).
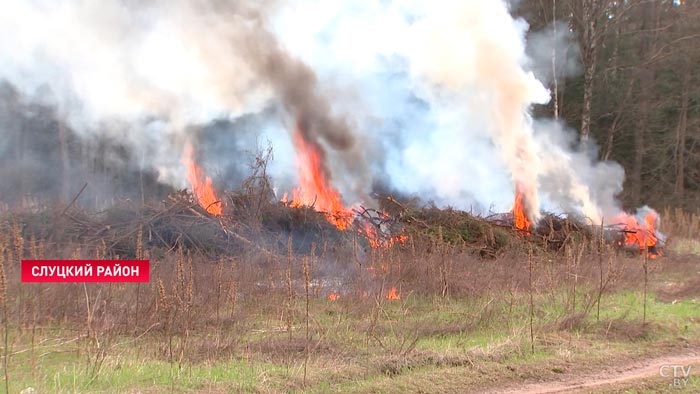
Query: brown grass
point(676, 222)
point(272, 302)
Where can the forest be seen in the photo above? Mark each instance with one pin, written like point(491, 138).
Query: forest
point(635, 89)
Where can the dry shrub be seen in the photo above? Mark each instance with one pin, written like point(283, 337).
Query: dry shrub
point(676, 222)
point(625, 330)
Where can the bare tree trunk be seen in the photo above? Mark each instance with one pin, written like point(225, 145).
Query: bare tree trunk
point(639, 145)
point(589, 54)
point(681, 133)
point(646, 81)
point(615, 56)
point(587, 14)
point(610, 140)
point(587, 99)
point(612, 80)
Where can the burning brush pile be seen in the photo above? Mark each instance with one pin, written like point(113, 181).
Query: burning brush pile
point(254, 218)
point(634, 233)
point(448, 121)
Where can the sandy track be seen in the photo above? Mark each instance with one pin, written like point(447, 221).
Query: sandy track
point(638, 370)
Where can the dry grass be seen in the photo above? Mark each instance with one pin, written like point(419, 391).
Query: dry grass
point(677, 223)
point(267, 306)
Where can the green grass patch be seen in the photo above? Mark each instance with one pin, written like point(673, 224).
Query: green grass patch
point(685, 246)
point(389, 346)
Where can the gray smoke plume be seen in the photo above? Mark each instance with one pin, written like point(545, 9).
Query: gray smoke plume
point(553, 48)
point(447, 89)
point(428, 98)
point(296, 86)
point(147, 72)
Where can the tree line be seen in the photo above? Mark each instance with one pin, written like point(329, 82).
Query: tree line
point(636, 93)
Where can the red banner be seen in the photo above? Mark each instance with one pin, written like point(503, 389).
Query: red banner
point(85, 271)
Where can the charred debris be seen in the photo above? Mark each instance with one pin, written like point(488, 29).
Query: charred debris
point(257, 222)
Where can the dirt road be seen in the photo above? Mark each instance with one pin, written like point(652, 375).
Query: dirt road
point(614, 375)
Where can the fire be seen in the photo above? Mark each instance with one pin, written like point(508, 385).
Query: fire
point(333, 296)
point(641, 234)
point(393, 294)
point(314, 189)
point(383, 269)
point(201, 184)
point(519, 217)
point(379, 241)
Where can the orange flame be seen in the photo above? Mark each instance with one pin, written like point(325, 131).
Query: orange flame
point(641, 234)
point(519, 217)
point(333, 296)
point(201, 184)
point(314, 189)
point(393, 294)
point(377, 240)
point(383, 269)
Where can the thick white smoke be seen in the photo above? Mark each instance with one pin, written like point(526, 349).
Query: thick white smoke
point(155, 68)
point(434, 96)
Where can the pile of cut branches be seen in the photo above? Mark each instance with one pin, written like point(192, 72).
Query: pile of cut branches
point(176, 221)
point(257, 221)
point(487, 235)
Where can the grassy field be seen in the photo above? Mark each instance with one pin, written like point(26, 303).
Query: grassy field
point(371, 344)
point(264, 323)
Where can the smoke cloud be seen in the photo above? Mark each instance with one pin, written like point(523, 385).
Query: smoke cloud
point(555, 42)
point(428, 99)
point(161, 67)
